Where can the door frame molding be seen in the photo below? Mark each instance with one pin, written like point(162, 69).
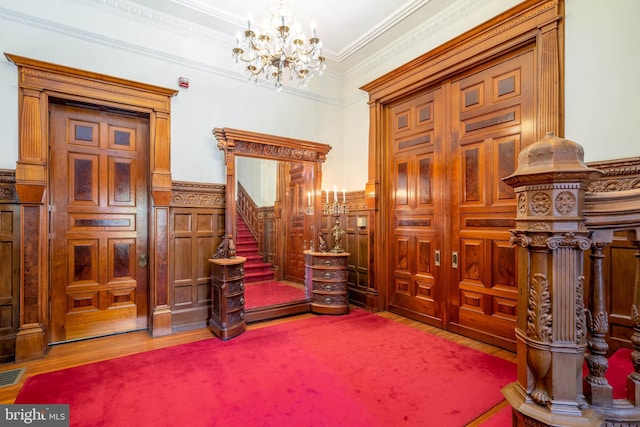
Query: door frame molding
point(37, 82)
point(538, 23)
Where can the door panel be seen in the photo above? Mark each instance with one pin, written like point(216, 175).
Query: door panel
point(415, 287)
point(98, 223)
point(491, 112)
point(450, 261)
point(299, 181)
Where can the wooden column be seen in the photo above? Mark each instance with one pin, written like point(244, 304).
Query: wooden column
point(551, 330)
point(377, 269)
point(31, 182)
point(633, 380)
point(596, 387)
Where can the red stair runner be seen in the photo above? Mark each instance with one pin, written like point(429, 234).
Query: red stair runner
point(255, 269)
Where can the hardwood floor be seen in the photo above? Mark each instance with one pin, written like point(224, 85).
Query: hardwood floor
point(77, 353)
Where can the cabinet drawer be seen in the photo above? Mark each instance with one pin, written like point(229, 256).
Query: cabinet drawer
point(330, 299)
point(235, 302)
point(333, 261)
point(329, 274)
point(228, 272)
point(235, 317)
point(236, 286)
point(329, 286)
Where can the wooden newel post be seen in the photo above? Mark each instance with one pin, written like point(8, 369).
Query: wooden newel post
point(633, 380)
point(551, 330)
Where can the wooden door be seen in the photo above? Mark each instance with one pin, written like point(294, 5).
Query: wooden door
point(450, 260)
point(99, 200)
point(416, 228)
point(298, 181)
point(492, 119)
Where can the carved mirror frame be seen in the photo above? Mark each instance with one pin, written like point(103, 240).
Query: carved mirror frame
point(257, 145)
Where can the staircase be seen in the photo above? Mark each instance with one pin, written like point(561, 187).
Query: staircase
point(255, 270)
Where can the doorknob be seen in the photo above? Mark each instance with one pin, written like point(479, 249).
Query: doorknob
point(437, 258)
point(454, 259)
point(142, 260)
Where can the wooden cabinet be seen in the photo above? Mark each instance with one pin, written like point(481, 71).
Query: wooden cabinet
point(227, 297)
point(326, 276)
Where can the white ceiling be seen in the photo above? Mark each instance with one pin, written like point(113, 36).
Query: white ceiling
point(350, 30)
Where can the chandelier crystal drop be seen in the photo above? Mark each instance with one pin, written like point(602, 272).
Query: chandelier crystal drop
point(278, 47)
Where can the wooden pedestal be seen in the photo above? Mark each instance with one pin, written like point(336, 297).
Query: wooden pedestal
point(326, 277)
point(227, 297)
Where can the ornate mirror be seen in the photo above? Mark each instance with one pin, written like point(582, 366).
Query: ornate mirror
point(273, 215)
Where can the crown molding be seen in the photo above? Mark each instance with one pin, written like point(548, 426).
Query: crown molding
point(130, 11)
point(454, 12)
point(149, 16)
point(380, 28)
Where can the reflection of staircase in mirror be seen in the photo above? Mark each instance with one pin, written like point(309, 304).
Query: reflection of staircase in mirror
point(255, 269)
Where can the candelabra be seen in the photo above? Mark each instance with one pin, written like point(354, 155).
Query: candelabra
point(336, 209)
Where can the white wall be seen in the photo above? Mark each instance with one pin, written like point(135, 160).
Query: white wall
point(83, 35)
point(258, 177)
point(601, 78)
point(601, 90)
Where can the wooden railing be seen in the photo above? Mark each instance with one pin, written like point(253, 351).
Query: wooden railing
point(558, 219)
point(248, 210)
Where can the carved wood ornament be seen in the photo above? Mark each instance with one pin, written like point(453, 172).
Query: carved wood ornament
point(253, 144)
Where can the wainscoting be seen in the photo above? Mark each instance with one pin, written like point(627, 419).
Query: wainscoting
point(9, 265)
point(355, 225)
point(196, 228)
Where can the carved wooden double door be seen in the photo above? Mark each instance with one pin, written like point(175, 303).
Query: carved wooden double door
point(450, 263)
point(99, 199)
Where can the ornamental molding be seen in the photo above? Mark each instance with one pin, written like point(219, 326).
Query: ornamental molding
point(8, 186)
point(568, 240)
point(619, 175)
point(581, 318)
point(107, 87)
point(540, 226)
point(565, 203)
point(518, 238)
point(540, 203)
point(522, 204)
point(276, 152)
point(539, 318)
point(356, 201)
point(197, 195)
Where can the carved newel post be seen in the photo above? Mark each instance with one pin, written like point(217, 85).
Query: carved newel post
point(551, 331)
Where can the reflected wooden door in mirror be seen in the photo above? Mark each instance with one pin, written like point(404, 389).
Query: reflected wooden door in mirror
point(272, 194)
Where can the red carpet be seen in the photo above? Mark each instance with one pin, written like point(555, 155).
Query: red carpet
point(353, 370)
point(255, 269)
point(271, 292)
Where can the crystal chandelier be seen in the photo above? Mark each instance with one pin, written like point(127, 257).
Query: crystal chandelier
point(278, 47)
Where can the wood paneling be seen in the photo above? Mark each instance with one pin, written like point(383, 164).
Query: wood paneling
point(9, 266)
point(355, 225)
point(196, 228)
point(448, 155)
